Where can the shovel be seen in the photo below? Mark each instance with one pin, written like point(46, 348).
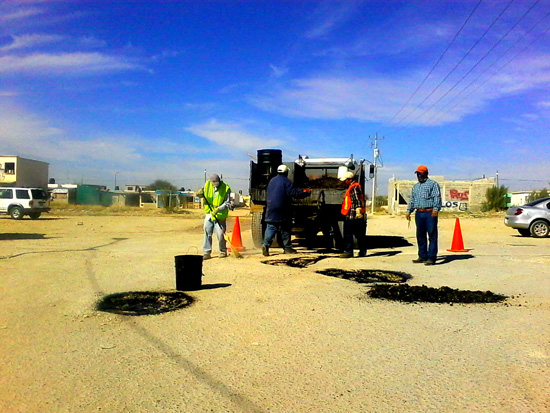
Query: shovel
point(234, 251)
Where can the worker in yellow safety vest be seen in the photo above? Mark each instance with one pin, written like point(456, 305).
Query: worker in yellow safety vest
point(217, 203)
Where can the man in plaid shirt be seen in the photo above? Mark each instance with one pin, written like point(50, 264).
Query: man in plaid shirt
point(353, 208)
point(426, 200)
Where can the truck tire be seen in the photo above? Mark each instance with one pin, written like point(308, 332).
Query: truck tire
point(35, 215)
point(16, 212)
point(257, 228)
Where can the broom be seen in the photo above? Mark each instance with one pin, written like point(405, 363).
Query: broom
point(234, 251)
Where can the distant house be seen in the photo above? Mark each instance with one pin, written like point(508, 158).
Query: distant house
point(457, 196)
point(135, 188)
point(518, 198)
point(23, 172)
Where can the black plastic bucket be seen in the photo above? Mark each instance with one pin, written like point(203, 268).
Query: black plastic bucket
point(188, 272)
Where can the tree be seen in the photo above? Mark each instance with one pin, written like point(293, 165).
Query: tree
point(495, 198)
point(534, 195)
point(162, 185)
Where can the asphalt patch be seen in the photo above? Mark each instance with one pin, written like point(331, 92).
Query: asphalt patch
point(137, 303)
point(367, 276)
point(297, 262)
point(410, 294)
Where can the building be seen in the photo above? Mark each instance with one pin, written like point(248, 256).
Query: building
point(457, 196)
point(22, 172)
point(518, 198)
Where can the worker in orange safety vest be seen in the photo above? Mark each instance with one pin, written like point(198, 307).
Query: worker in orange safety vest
point(355, 223)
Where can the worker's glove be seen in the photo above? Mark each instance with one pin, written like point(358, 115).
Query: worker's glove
point(215, 211)
point(200, 193)
point(358, 213)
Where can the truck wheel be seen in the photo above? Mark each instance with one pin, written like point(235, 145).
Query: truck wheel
point(35, 215)
point(540, 229)
point(16, 213)
point(257, 229)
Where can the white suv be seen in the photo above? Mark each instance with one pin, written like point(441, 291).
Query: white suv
point(18, 202)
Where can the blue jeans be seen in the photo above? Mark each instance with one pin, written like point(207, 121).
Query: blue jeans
point(272, 229)
point(209, 226)
point(426, 229)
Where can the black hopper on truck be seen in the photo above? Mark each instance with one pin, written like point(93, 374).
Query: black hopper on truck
point(318, 214)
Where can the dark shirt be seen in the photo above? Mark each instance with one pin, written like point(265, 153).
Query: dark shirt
point(280, 192)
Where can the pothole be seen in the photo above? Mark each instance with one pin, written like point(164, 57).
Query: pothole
point(423, 293)
point(143, 302)
point(367, 276)
point(299, 262)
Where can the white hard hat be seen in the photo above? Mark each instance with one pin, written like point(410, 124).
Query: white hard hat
point(346, 175)
point(282, 169)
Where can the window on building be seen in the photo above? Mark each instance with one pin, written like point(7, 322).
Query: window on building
point(9, 168)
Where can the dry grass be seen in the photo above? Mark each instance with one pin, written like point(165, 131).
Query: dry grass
point(115, 210)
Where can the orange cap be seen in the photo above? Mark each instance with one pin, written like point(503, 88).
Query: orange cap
point(421, 169)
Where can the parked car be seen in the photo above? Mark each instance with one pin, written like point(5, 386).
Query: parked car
point(530, 219)
point(18, 202)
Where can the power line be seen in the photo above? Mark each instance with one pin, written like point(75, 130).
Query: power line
point(460, 62)
point(435, 65)
point(500, 68)
point(440, 112)
point(477, 63)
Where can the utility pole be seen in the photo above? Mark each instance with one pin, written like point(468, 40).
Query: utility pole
point(376, 158)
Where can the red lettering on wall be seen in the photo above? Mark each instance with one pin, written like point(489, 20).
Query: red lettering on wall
point(461, 196)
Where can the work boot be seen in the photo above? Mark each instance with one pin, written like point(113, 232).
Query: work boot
point(265, 251)
point(223, 254)
point(430, 262)
point(346, 255)
point(419, 260)
point(290, 251)
point(206, 256)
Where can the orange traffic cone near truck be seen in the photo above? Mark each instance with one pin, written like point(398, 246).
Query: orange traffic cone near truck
point(236, 241)
point(457, 244)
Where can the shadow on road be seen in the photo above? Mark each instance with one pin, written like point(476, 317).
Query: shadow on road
point(384, 254)
point(4, 237)
point(449, 258)
point(214, 286)
point(386, 241)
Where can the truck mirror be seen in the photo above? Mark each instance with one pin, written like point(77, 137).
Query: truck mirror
point(371, 171)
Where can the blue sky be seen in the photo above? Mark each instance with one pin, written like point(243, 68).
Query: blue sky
point(164, 90)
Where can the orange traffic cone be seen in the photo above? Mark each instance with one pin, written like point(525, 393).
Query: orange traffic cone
point(458, 244)
point(236, 241)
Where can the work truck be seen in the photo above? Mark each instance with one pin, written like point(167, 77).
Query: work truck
point(316, 220)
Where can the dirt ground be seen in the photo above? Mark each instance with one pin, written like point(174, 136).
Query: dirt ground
point(265, 338)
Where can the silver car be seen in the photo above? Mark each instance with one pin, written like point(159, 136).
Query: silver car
point(530, 219)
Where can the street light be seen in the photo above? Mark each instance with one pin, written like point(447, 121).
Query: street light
point(116, 173)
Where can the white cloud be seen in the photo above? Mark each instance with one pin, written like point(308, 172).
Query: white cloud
point(278, 71)
point(330, 15)
point(378, 98)
point(91, 42)
point(231, 135)
point(29, 40)
point(64, 63)
point(18, 15)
